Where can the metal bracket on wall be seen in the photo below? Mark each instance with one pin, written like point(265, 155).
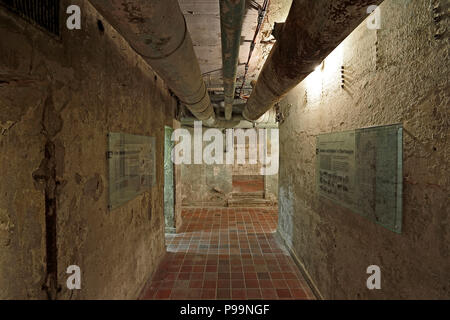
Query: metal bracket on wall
point(439, 15)
point(255, 5)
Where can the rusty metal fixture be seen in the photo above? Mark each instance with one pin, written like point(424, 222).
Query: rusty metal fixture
point(268, 120)
point(237, 122)
point(231, 20)
point(217, 123)
point(312, 31)
point(157, 31)
point(262, 10)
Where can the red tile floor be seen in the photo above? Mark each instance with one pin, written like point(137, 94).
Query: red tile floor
point(227, 254)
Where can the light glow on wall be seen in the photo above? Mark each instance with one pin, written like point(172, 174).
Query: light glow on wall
point(326, 76)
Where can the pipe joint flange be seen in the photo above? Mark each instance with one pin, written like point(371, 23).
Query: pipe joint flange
point(183, 40)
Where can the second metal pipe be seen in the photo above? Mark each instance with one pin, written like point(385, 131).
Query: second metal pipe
point(231, 20)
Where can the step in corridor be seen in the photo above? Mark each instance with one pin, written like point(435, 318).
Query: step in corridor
point(227, 253)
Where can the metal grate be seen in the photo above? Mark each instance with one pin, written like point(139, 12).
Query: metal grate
point(44, 13)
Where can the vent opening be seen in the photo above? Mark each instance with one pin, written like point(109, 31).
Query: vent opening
point(44, 13)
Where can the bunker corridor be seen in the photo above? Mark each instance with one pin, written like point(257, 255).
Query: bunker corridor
point(206, 149)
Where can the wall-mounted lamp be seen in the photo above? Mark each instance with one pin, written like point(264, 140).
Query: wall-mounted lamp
point(320, 67)
point(327, 76)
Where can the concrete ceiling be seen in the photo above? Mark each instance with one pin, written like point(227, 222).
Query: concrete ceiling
point(203, 20)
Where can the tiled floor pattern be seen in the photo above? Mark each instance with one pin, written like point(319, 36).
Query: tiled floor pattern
point(227, 254)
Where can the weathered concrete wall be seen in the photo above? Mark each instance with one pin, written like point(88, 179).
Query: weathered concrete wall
point(271, 187)
point(398, 74)
point(178, 188)
point(58, 99)
point(212, 184)
point(169, 182)
point(271, 181)
point(204, 184)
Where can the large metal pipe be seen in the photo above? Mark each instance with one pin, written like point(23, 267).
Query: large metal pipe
point(312, 31)
point(157, 31)
point(231, 20)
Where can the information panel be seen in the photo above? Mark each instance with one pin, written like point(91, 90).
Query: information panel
point(362, 170)
point(131, 166)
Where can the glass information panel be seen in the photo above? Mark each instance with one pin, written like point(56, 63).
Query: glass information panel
point(362, 170)
point(131, 166)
